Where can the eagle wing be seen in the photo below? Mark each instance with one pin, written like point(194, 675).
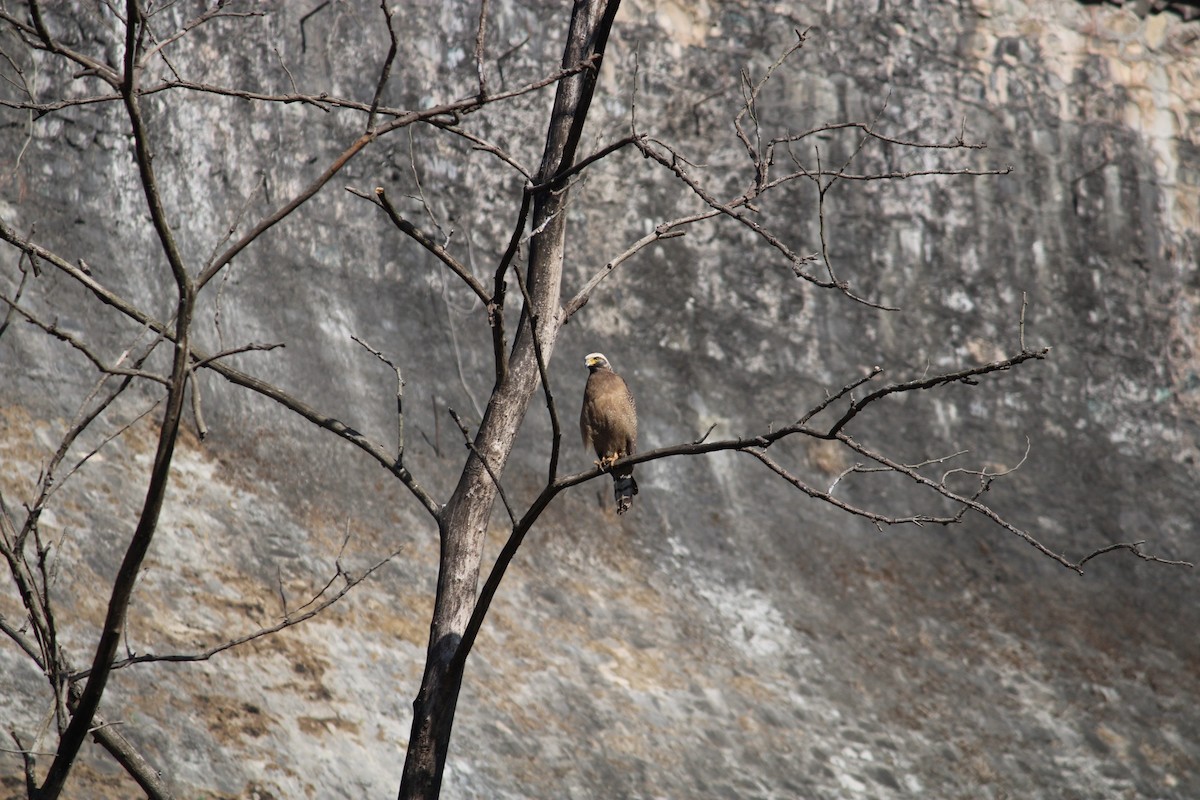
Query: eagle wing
point(608, 421)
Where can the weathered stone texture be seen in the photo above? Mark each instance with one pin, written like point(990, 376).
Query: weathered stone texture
point(729, 638)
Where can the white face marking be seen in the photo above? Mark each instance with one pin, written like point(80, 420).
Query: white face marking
point(595, 359)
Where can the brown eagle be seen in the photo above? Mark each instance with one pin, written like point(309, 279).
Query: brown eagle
point(608, 423)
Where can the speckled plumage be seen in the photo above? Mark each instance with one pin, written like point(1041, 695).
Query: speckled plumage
point(608, 423)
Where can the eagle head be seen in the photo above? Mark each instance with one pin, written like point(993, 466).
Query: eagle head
point(595, 361)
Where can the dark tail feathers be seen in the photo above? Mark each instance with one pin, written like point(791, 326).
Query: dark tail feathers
point(624, 488)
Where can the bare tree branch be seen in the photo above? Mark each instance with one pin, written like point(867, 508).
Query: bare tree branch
point(484, 146)
point(42, 109)
point(664, 231)
point(961, 376)
point(957, 144)
point(555, 428)
point(584, 163)
point(387, 66)
point(446, 110)
point(420, 237)
point(827, 497)
point(81, 720)
point(496, 307)
point(1136, 549)
point(480, 40)
point(290, 619)
point(75, 342)
point(833, 398)
point(967, 502)
point(231, 374)
point(462, 427)
point(399, 397)
point(43, 40)
point(750, 93)
point(215, 12)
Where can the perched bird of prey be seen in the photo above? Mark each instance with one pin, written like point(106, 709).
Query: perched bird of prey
point(608, 423)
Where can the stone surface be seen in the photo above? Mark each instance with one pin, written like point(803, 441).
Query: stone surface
point(729, 637)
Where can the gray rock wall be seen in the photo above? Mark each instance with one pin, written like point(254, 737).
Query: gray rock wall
point(729, 638)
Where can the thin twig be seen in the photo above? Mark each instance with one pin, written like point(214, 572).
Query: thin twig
point(480, 41)
point(290, 619)
point(488, 467)
point(845, 390)
point(313, 415)
point(76, 343)
point(232, 229)
point(452, 329)
point(116, 434)
point(253, 347)
point(402, 120)
point(425, 240)
point(551, 408)
point(399, 397)
point(962, 500)
point(1136, 549)
point(387, 67)
point(827, 497)
point(985, 476)
point(964, 376)
point(496, 307)
point(1021, 325)
point(750, 95)
point(484, 146)
point(666, 230)
point(216, 11)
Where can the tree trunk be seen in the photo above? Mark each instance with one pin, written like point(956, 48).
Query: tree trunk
point(463, 521)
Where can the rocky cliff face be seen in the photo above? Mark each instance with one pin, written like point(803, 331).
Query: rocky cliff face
point(729, 637)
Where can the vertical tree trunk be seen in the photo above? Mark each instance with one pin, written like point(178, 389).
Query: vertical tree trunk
point(464, 519)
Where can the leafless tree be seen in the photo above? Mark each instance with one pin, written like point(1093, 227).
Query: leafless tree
point(524, 326)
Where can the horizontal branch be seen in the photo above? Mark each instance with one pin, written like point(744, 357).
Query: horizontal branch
point(401, 117)
point(42, 109)
point(885, 176)
point(957, 144)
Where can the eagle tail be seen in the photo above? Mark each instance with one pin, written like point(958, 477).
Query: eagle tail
point(624, 488)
